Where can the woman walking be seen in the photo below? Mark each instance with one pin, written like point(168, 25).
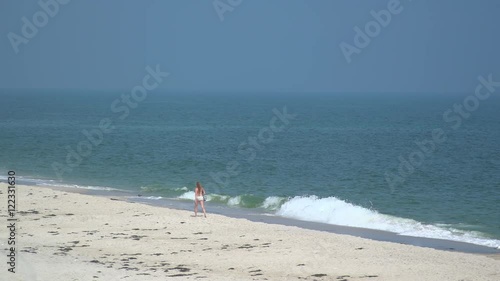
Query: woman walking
point(199, 193)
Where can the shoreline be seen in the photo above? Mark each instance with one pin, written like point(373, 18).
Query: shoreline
point(372, 234)
point(105, 238)
point(255, 216)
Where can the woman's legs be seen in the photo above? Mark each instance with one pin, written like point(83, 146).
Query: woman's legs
point(195, 208)
point(203, 207)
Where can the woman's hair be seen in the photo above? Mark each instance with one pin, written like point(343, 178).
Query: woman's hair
point(198, 184)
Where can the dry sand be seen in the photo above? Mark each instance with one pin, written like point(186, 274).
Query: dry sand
point(67, 236)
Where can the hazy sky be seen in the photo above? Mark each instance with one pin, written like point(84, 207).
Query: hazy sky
point(261, 45)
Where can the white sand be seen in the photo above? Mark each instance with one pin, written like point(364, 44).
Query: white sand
point(68, 236)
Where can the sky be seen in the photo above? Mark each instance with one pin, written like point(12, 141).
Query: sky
point(252, 45)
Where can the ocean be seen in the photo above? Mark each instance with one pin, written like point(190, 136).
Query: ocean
point(412, 164)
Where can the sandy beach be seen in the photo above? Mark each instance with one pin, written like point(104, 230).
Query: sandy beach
point(68, 236)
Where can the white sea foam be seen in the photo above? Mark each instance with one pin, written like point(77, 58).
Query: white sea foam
point(273, 202)
point(151, 197)
point(48, 182)
point(187, 195)
point(160, 188)
point(335, 211)
point(89, 187)
point(212, 197)
point(234, 201)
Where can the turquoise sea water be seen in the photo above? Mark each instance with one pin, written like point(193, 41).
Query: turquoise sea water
point(327, 162)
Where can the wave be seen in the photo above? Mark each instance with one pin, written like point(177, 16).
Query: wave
point(187, 195)
point(156, 188)
point(273, 202)
point(89, 187)
point(148, 197)
point(329, 210)
point(332, 210)
point(163, 190)
point(54, 183)
point(244, 201)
